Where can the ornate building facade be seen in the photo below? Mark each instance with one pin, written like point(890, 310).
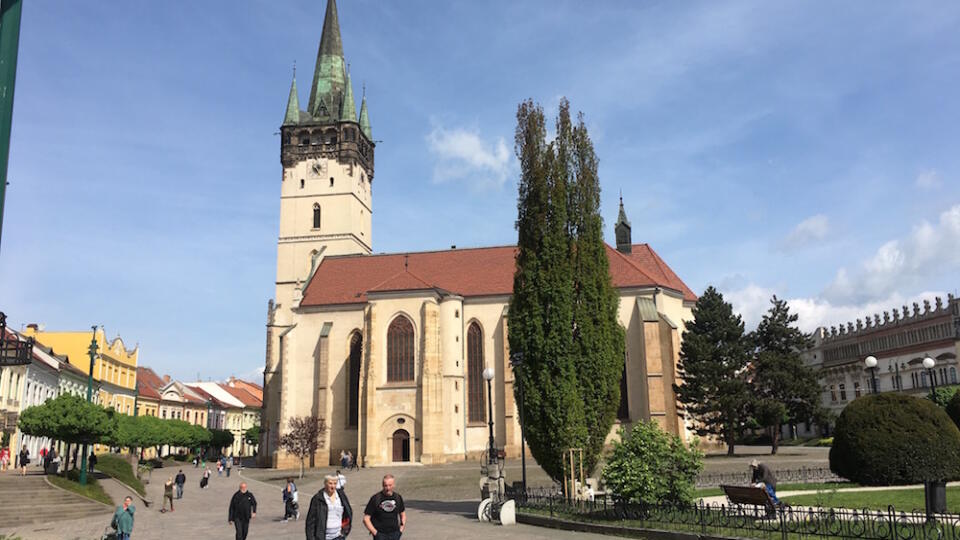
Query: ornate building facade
point(389, 349)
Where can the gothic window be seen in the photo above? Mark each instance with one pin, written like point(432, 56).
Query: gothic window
point(353, 411)
point(302, 183)
point(856, 389)
point(623, 411)
point(475, 400)
point(316, 216)
point(843, 392)
point(400, 350)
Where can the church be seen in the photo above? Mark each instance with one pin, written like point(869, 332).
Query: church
point(389, 349)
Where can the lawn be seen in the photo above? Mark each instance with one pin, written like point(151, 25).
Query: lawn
point(902, 499)
point(93, 489)
point(120, 469)
point(715, 491)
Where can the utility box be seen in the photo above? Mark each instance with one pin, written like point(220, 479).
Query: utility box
point(935, 496)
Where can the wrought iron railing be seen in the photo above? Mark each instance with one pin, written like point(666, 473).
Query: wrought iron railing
point(737, 521)
point(803, 475)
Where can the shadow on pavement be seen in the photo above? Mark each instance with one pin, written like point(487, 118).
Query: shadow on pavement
point(461, 508)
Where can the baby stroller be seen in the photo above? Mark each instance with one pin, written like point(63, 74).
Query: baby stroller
point(203, 482)
point(109, 533)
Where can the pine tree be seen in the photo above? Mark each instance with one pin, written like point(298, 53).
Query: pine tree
point(598, 338)
point(541, 308)
point(787, 389)
point(714, 357)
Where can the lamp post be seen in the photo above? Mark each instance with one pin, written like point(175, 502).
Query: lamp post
point(871, 363)
point(929, 363)
point(516, 360)
point(93, 357)
point(488, 375)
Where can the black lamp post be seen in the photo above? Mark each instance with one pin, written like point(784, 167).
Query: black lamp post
point(93, 357)
point(871, 363)
point(516, 360)
point(929, 363)
point(488, 375)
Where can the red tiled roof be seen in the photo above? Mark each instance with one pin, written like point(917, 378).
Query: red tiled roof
point(467, 272)
point(245, 397)
point(145, 390)
point(255, 389)
point(209, 397)
point(150, 379)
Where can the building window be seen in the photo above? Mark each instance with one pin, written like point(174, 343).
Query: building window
point(356, 349)
point(331, 181)
point(302, 183)
point(475, 400)
point(923, 378)
point(400, 350)
point(856, 389)
point(623, 411)
point(316, 216)
point(843, 392)
point(913, 380)
point(953, 375)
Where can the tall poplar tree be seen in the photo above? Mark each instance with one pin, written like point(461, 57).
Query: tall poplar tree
point(786, 388)
point(598, 338)
point(541, 308)
point(714, 358)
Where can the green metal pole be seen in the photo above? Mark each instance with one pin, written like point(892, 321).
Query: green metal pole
point(93, 356)
point(9, 43)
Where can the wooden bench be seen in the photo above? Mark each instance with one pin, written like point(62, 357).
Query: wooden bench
point(749, 495)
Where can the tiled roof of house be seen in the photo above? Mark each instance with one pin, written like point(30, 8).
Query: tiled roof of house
point(248, 399)
point(255, 389)
point(207, 397)
point(466, 272)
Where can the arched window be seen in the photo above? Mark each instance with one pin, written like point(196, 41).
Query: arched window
point(316, 216)
point(953, 375)
point(353, 380)
point(400, 350)
point(475, 398)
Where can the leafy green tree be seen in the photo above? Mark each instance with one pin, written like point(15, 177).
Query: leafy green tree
point(778, 372)
point(713, 364)
point(69, 418)
point(650, 466)
point(943, 394)
point(540, 318)
point(252, 435)
point(220, 439)
point(598, 338)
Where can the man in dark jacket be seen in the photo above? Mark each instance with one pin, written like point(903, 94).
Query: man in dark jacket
point(330, 515)
point(243, 508)
point(180, 480)
point(763, 475)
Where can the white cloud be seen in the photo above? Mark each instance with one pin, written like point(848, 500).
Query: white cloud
point(752, 301)
point(930, 249)
point(463, 155)
point(929, 179)
point(808, 231)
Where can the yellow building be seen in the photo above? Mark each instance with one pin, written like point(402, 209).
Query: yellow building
point(115, 366)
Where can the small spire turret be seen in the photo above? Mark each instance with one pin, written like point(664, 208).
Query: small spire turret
point(623, 230)
point(293, 103)
point(349, 111)
point(365, 117)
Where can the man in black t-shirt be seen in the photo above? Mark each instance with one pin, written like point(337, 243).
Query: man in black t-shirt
point(385, 516)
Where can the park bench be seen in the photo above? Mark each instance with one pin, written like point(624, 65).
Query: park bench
point(750, 496)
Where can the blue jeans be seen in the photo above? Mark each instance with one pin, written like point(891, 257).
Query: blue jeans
point(179, 491)
point(123, 536)
point(773, 493)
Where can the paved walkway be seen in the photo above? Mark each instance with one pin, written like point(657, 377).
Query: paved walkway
point(202, 514)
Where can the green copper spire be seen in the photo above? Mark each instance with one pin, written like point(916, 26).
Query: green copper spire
point(364, 118)
point(349, 111)
point(326, 92)
point(293, 103)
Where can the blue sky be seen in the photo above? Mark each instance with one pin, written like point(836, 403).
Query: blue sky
point(764, 147)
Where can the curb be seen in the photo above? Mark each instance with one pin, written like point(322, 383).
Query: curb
point(49, 483)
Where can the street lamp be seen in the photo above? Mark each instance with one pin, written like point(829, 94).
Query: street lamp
point(488, 375)
point(516, 361)
point(871, 363)
point(929, 363)
point(93, 357)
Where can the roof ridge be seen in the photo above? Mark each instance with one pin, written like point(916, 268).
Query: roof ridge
point(667, 271)
point(401, 272)
point(448, 250)
point(631, 263)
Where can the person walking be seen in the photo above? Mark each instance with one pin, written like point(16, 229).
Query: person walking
point(763, 477)
point(24, 461)
point(243, 508)
point(4, 458)
point(385, 516)
point(167, 494)
point(330, 516)
point(344, 460)
point(341, 480)
point(180, 480)
point(92, 461)
point(290, 501)
point(123, 519)
point(229, 465)
point(205, 479)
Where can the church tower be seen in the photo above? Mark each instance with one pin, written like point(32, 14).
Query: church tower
point(327, 157)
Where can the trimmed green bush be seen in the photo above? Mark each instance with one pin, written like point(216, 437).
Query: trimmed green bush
point(119, 468)
point(893, 439)
point(651, 466)
point(953, 409)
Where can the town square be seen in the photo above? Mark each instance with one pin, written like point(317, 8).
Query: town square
point(637, 269)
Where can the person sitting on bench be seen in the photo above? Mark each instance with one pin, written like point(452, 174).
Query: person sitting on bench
point(764, 477)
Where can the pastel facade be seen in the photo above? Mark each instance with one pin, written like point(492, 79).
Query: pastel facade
point(389, 348)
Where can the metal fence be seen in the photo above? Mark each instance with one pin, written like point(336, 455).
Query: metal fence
point(749, 521)
point(803, 475)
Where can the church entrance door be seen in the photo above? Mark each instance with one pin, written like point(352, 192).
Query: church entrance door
point(401, 445)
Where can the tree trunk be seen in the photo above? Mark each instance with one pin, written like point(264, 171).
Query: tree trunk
point(775, 436)
point(301, 467)
point(730, 440)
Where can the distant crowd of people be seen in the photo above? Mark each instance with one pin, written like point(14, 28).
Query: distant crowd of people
point(49, 459)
